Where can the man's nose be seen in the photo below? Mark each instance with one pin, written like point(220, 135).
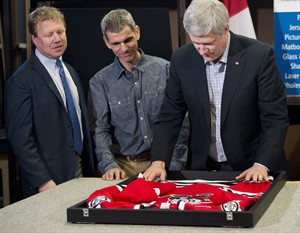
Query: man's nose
point(56, 37)
point(124, 46)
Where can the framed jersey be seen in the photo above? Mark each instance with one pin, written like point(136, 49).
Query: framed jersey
point(187, 198)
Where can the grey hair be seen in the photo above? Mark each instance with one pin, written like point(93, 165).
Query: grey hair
point(116, 20)
point(205, 16)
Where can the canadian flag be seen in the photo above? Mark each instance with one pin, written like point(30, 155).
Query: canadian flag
point(240, 21)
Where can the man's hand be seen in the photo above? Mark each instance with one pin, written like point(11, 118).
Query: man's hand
point(256, 173)
point(48, 185)
point(156, 169)
point(114, 174)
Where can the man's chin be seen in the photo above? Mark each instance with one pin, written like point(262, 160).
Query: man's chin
point(208, 59)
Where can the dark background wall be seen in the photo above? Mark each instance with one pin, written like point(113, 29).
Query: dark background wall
point(87, 51)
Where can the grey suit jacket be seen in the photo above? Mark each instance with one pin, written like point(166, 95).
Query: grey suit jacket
point(39, 129)
point(254, 118)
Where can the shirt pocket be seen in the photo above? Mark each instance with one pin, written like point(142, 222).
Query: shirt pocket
point(121, 111)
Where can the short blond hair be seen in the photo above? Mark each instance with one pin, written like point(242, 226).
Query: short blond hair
point(42, 14)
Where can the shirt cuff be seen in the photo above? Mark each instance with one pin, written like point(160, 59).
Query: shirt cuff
point(262, 166)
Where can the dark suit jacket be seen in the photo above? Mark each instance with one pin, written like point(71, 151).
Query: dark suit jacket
point(254, 118)
point(38, 127)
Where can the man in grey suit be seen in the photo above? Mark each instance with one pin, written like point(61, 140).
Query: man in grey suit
point(236, 100)
point(38, 114)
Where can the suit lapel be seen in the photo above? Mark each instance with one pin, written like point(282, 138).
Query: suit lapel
point(198, 74)
point(235, 66)
point(43, 73)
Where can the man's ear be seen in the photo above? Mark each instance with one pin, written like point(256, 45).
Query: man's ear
point(106, 42)
point(33, 39)
point(137, 32)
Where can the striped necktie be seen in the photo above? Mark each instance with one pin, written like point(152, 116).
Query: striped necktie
point(71, 109)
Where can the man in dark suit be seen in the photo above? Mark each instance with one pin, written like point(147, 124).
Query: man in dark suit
point(38, 113)
point(236, 100)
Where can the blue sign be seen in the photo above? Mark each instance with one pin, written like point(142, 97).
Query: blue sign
point(287, 43)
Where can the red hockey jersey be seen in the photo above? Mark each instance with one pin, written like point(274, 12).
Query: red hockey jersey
point(181, 195)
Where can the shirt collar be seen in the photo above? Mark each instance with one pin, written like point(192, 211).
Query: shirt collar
point(119, 70)
point(45, 60)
